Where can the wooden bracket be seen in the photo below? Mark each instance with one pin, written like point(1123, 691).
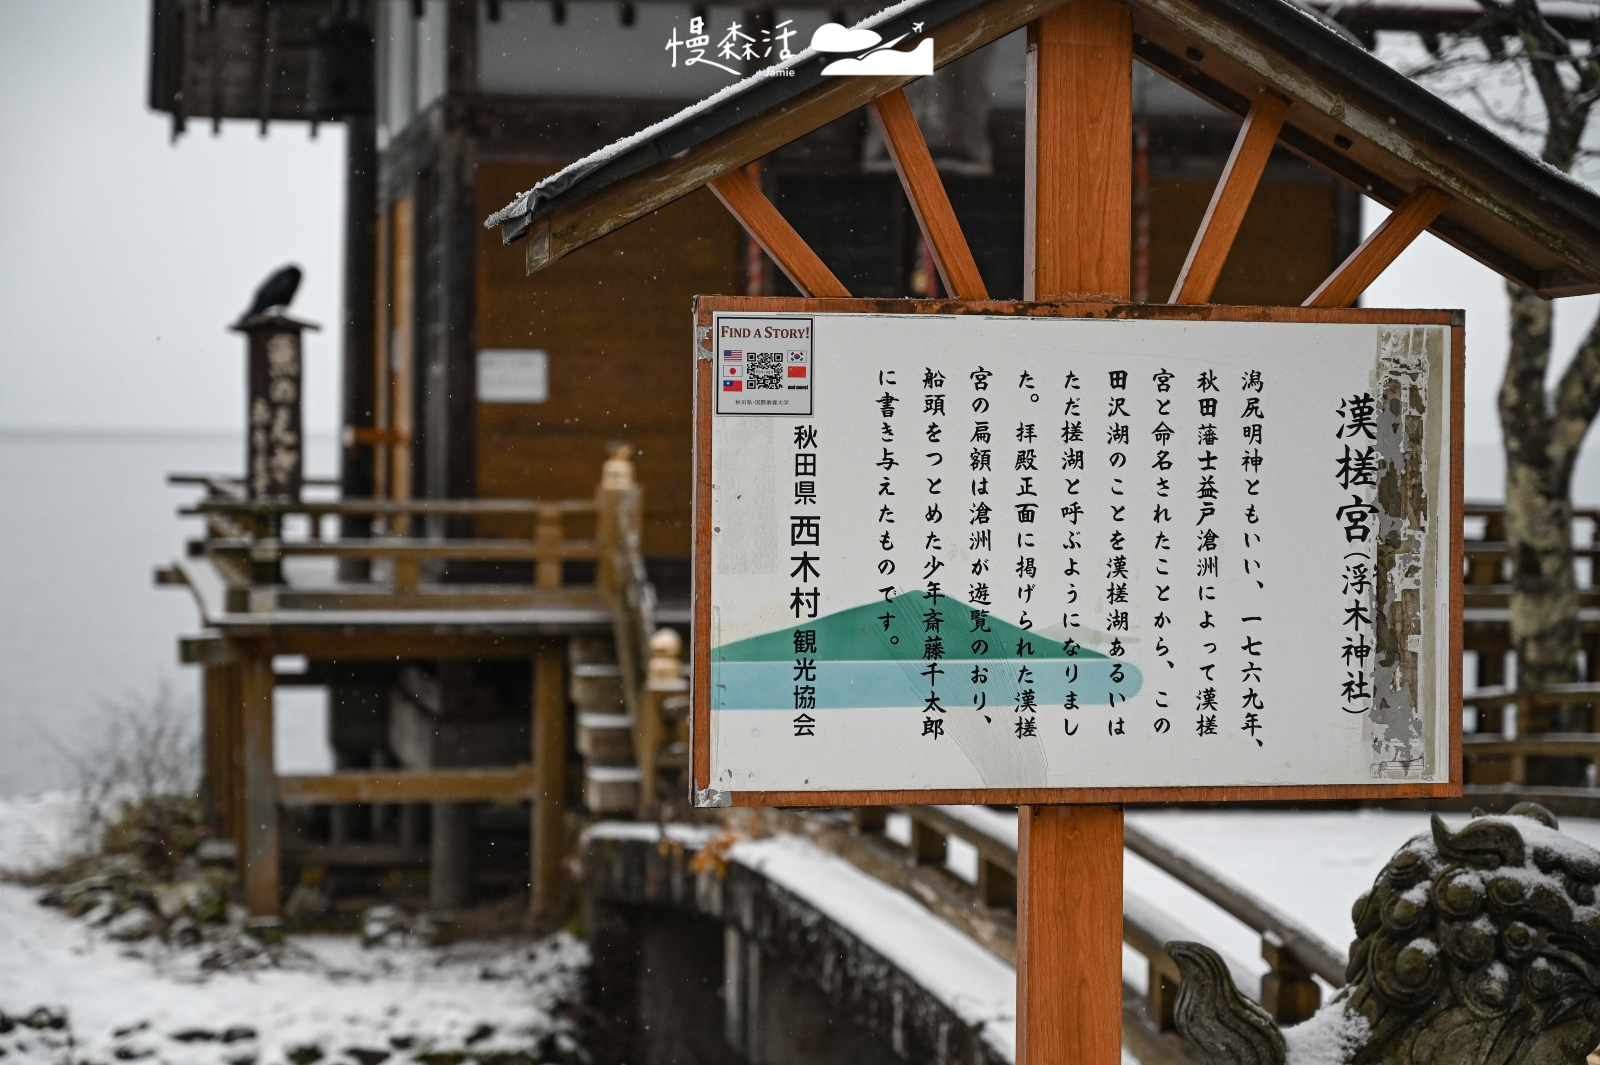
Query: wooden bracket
point(776, 236)
point(1231, 199)
point(892, 115)
point(1346, 284)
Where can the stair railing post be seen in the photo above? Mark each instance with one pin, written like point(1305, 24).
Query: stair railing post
point(663, 677)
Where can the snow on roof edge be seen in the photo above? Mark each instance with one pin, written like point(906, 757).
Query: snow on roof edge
point(570, 174)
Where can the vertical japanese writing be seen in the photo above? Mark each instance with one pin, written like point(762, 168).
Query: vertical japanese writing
point(806, 547)
point(805, 682)
point(1161, 513)
point(1207, 550)
point(933, 650)
point(275, 458)
point(1252, 418)
point(1119, 441)
point(1357, 474)
point(980, 538)
point(1025, 503)
point(1072, 478)
point(887, 498)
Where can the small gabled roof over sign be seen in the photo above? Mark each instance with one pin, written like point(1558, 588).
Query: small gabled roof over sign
point(1349, 113)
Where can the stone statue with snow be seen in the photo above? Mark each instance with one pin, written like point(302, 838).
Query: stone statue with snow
point(1475, 947)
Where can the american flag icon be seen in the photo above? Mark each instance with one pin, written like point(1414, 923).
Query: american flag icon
point(729, 355)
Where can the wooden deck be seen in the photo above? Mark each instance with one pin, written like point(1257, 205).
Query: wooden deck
point(269, 581)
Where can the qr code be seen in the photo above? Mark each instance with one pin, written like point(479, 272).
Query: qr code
point(765, 370)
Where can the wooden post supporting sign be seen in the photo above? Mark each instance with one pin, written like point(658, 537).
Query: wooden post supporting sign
point(1079, 213)
point(1079, 208)
point(1069, 935)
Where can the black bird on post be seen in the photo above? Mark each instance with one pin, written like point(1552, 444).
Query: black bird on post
point(276, 291)
point(275, 452)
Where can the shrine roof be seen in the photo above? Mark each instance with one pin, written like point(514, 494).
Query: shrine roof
point(1350, 114)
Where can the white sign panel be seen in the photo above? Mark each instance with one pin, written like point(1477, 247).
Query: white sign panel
point(507, 375)
point(1023, 552)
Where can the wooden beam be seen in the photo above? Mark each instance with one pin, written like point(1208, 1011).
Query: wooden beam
point(549, 829)
point(409, 785)
point(418, 642)
point(1079, 103)
point(1076, 240)
point(1231, 199)
point(1404, 224)
point(1069, 935)
point(776, 236)
point(408, 547)
point(260, 843)
point(930, 203)
point(218, 700)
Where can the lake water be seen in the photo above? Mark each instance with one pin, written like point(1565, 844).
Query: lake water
point(84, 520)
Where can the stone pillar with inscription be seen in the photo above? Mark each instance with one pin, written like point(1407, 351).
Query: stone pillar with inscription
point(275, 441)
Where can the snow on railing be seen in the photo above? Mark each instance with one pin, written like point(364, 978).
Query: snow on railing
point(1294, 954)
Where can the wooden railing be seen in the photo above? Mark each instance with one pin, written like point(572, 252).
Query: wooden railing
point(1508, 728)
point(245, 540)
point(649, 659)
point(1486, 562)
point(986, 910)
point(1514, 726)
point(661, 728)
point(1293, 953)
point(621, 575)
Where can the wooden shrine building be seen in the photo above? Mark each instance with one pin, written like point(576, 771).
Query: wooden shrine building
point(479, 590)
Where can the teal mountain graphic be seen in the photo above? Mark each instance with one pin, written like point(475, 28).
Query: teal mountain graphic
point(878, 654)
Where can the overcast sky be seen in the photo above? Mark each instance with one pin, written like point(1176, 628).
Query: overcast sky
point(124, 256)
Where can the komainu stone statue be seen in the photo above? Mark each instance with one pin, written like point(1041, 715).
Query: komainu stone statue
point(1476, 947)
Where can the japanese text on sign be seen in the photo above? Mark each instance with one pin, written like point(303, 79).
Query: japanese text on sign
point(1015, 552)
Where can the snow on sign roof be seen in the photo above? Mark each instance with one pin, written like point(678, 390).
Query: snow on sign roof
point(753, 95)
point(1349, 114)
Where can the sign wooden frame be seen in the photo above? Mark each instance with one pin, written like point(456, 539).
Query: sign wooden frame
point(706, 376)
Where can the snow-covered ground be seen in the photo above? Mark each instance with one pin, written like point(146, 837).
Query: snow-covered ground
point(353, 1004)
point(331, 1000)
point(38, 830)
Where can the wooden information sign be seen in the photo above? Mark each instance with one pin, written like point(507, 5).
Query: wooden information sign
point(1027, 553)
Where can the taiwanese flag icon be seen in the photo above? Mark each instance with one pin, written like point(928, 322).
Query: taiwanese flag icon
point(730, 385)
point(797, 367)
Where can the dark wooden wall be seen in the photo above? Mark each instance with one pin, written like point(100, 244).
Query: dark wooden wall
point(615, 320)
